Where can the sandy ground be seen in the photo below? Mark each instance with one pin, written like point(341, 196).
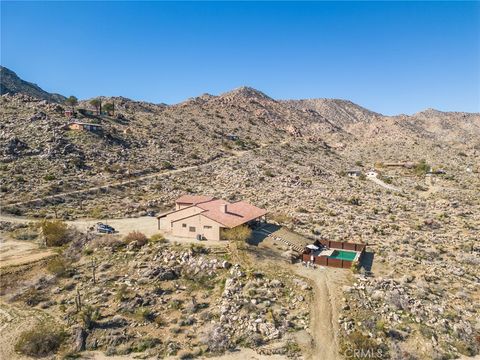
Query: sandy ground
point(327, 284)
point(15, 252)
point(241, 354)
point(146, 224)
point(14, 321)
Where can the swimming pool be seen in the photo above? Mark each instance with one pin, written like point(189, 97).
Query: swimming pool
point(343, 255)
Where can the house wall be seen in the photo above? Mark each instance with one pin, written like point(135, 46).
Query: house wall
point(199, 222)
point(165, 223)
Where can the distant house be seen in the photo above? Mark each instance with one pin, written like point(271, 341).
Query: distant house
point(81, 126)
point(371, 173)
point(204, 217)
point(354, 173)
point(232, 137)
point(69, 113)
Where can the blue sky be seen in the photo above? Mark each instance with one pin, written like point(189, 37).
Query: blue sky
point(391, 57)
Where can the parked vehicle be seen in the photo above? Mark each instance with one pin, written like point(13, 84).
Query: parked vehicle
point(105, 229)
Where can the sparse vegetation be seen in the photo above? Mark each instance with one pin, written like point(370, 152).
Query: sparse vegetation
point(55, 232)
point(136, 236)
point(40, 342)
point(240, 233)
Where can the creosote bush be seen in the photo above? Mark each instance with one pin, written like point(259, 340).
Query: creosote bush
point(41, 341)
point(55, 232)
point(158, 238)
point(57, 266)
point(239, 233)
point(136, 236)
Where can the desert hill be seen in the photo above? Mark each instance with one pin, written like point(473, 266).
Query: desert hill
point(12, 84)
point(292, 158)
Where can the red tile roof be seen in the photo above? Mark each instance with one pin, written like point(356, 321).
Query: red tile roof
point(193, 199)
point(237, 213)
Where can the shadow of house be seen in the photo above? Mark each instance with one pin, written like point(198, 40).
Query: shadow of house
point(367, 261)
point(261, 233)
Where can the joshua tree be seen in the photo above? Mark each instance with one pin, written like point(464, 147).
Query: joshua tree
point(97, 104)
point(72, 101)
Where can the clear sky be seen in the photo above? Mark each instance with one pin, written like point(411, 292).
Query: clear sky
point(391, 57)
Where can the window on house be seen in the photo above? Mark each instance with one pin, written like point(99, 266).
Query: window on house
point(207, 227)
point(191, 229)
point(184, 225)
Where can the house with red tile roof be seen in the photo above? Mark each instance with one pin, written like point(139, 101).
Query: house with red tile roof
point(199, 216)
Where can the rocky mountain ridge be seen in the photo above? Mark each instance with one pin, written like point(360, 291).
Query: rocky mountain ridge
point(10, 83)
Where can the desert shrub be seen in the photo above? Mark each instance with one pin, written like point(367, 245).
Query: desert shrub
point(136, 236)
point(88, 316)
point(158, 238)
point(144, 314)
point(32, 296)
point(123, 293)
point(176, 304)
point(145, 344)
point(166, 165)
point(57, 266)
point(359, 346)
point(40, 342)
point(292, 348)
point(14, 211)
point(422, 167)
point(49, 177)
point(386, 179)
point(96, 213)
point(238, 233)
point(55, 232)
point(108, 240)
point(281, 218)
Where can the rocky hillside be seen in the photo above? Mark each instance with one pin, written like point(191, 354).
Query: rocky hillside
point(10, 83)
point(340, 112)
point(42, 156)
point(420, 302)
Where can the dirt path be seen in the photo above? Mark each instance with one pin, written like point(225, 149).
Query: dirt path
point(377, 181)
point(324, 310)
point(326, 300)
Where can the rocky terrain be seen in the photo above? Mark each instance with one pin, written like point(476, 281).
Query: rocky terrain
point(420, 300)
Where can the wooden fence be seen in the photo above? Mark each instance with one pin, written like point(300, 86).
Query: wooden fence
point(337, 263)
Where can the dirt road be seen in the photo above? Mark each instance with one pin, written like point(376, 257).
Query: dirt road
point(324, 310)
point(377, 181)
